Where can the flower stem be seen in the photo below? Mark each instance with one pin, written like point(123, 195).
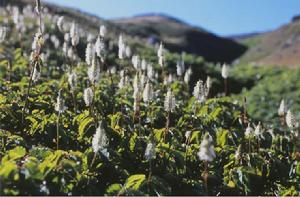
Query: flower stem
point(245, 118)
point(249, 146)
point(226, 87)
point(28, 91)
point(185, 156)
point(150, 170)
point(206, 176)
point(150, 174)
point(167, 125)
point(57, 131)
point(74, 101)
point(93, 161)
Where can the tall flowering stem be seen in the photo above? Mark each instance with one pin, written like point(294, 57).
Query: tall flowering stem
point(206, 154)
point(136, 96)
point(92, 108)
point(245, 118)
point(88, 96)
point(99, 142)
point(282, 112)
point(72, 78)
point(187, 142)
point(57, 131)
point(38, 10)
point(147, 97)
point(74, 100)
point(225, 86)
point(38, 42)
point(112, 86)
point(167, 123)
point(225, 74)
point(9, 67)
point(60, 108)
point(169, 105)
point(150, 154)
point(27, 93)
point(248, 134)
point(200, 94)
point(161, 58)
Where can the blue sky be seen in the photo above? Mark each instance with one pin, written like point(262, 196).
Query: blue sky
point(223, 17)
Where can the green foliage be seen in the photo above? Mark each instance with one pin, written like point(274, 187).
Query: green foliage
point(264, 98)
point(30, 163)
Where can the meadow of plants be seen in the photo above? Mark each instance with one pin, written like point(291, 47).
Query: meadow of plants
point(94, 113)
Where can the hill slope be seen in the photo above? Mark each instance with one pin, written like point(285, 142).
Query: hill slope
point(179, 36)
point(278, 47)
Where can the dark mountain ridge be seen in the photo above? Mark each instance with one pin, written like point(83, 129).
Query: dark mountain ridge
point(179, 36)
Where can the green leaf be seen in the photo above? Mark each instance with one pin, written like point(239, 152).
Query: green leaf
point(159, 133)
point(290, 192)
point(34, 125)
point(115, 119)
point(222, 138)
point(9, 171)
point(132, 142)
point(298, 168)
point(215, 113)
point(135, 181)
point(84, 126)
point(113, 190)
point(195, 136)
point(14, 154)
point(2, 99)
point(51, 162)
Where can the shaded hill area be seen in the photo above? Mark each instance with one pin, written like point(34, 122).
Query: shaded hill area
point(241, 37)
point(179, 36)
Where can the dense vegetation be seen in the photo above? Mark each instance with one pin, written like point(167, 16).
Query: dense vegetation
point(75, 121)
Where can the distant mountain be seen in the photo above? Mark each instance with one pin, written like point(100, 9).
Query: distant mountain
point(278, 47)
point(89, 21)
point(179, 36)
point(241, 37)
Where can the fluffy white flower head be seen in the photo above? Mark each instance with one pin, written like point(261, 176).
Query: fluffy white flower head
point(290, 119)
point(89, 52)
point(249, 130)
point(100, 140)
point(60, 104)
point(282, 108)
point(170, 102)
point(88, 96)
point(148, 92)
point(207, 152)
point(102, 31)
point(150, 152)
point(225, 71)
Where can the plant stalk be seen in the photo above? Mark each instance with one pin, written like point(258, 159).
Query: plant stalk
point(28, 91)
point(57, 131)
point(226, 87)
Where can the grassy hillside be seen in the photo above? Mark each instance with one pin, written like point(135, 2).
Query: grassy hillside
point(279, 47)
